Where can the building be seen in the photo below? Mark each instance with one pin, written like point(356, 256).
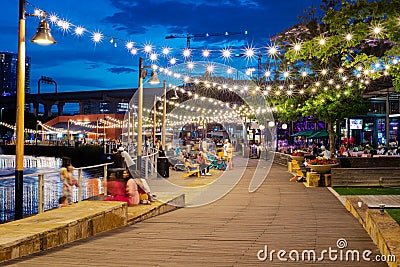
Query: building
point(8, 74)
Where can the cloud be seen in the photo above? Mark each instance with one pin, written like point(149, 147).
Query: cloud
point(262, 19)
point(121, 70)
point(194, 16)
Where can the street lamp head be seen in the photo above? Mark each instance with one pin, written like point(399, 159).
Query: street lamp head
point(43, 35)
point(154, 78)
point(175, 96)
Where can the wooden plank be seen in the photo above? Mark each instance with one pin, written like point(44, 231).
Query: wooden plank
point(228, 232)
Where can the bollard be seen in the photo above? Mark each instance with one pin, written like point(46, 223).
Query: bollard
point(382, 209)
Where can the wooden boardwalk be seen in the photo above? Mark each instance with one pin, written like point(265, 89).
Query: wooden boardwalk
point(282, 215)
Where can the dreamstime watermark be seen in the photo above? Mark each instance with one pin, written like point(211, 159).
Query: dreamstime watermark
point(338, 253)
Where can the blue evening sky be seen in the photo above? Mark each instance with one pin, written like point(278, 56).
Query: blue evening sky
point(78, 64)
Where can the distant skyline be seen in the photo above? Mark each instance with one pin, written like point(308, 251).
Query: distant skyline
point(78, 64)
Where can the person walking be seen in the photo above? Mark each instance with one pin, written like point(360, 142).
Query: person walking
point(228, 154)
point(67, 179)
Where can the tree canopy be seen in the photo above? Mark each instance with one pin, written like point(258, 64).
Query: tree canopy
point(334, 53)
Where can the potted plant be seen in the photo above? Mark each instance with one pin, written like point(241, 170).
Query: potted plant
point(322, 165)
point(298, 155)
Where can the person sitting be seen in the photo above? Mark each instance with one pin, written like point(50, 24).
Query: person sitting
point(131, 189)
point(116, 187)
point(204, 163)
point(192, 168)
point(178, 163)
point(326, 154)
point(143, 186)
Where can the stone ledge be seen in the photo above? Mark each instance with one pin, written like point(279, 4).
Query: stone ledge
point(358, 212)
point(383, 229)
point(81, 220)
point(385, 232)
point(59, 226)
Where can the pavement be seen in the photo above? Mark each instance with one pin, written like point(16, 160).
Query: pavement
point(281, 219)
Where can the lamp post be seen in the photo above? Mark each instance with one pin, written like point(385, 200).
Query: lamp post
point(154, 120)
point(42, 36)
point(104, 135)
point(1, 114)
point(68, 132)
point(164, 126)
point(153, 80)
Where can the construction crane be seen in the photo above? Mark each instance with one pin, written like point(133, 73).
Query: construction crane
point(189, 36)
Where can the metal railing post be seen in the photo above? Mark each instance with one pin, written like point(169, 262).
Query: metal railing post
point(105, 180)
point(155, 163)
point(40, 193)
point(146, 166)
point(80, 185)
point(152, 165)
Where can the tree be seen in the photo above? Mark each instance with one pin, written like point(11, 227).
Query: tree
point(340, 53)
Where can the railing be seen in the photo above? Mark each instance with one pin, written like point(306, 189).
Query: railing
point(150, 163)
point(42, 190)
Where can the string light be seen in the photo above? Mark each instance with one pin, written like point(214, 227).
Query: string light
point(206, 53)
point(186, 53)
point(296, 47)
point(226, 53)
point(148, 48)
point(249, 51)
point(97, 37)
point(166, 50)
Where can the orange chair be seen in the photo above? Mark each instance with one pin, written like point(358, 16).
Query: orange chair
point(296, 168)
point(191, 169)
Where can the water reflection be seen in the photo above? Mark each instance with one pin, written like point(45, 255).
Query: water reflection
point(91, 185)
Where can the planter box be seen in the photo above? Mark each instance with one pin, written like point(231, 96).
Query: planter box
point(322, 168)
point(298, 158)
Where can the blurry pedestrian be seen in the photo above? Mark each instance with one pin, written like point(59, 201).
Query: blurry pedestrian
point(67, 178)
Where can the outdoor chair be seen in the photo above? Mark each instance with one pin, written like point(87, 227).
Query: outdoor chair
point(191, 169)
point(215, 163)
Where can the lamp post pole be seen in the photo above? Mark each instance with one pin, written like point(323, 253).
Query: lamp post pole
point(140, 114)
point(97, 130)
point(129, 130)
point(164, 126)
point(104, 135)
point(1, 114)
point(19, 148)
point(154, 120)
point(68, 132)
